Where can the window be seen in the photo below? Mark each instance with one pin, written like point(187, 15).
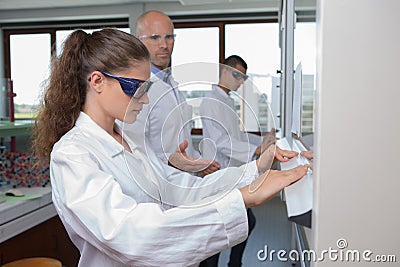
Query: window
point(61, 35)
point(261, 91)
point(305, 52)
point(195, 45)
point(258, 45)
point(30, 58)
point(256, 41)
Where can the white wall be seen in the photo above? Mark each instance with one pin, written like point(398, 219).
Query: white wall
point(357, 144)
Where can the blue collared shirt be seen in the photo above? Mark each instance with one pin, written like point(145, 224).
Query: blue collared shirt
point(165, 76)
point(156, 71)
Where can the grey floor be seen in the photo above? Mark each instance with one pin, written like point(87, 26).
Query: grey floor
point(272, 230)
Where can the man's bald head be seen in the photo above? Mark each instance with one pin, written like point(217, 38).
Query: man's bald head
point(149, 26)
point(149, 18)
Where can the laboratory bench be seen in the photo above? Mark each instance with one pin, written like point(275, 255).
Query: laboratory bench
point(16, 128)
point(30, 227)
point(16, 133)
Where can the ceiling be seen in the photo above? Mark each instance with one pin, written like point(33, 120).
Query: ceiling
point(22, 11)
point(36, 4)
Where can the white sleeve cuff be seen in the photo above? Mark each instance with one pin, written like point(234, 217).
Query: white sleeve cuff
point(250, 173)
point(233, 213)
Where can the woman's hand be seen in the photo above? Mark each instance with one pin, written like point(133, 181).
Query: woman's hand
point(284, 155)
point(310, 156)
point(271, 155)
point(269, 184)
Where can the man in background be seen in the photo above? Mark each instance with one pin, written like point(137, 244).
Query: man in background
point(230, 146)
point(167, 117)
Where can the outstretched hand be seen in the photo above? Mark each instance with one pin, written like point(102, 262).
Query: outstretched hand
point(284, 155)
point(272, 154)
point(269, 184)
point(310, 156)
point(180, 160)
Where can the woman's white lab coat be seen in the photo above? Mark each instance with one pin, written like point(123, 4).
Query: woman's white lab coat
point(116, 205)
point(230, 146)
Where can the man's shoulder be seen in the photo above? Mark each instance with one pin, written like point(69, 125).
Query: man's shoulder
point(158, 91)
point(212, 99)
point(210, 104)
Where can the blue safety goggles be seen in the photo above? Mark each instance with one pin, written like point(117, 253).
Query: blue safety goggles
point(132, 87)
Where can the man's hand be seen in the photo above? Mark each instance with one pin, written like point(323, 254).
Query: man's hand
point(214, 166)
point(269, 139)
point(180, 160)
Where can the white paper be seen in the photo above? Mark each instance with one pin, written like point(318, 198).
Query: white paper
point(298, 196)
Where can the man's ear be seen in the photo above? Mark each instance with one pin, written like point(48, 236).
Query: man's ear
point(96, 81)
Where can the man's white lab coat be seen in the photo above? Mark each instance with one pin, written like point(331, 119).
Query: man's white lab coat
point(166, 121)
point(116, 205)
point(230, 146)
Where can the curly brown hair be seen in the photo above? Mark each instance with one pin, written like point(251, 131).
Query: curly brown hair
point(108, 50)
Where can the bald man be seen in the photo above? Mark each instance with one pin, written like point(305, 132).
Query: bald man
point(156, 31)
point(166, 121)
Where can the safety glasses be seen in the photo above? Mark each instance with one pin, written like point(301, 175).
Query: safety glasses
point(155, 39)
point(238, 75)
point(132, 87)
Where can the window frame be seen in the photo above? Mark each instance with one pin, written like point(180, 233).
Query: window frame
point(219, 23)
point(271, 17)
point(180, 21)
point(50, 28)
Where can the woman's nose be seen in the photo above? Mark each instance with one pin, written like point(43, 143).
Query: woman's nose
point(144, 99)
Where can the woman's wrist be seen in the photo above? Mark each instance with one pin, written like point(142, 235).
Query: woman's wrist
point(247, 197)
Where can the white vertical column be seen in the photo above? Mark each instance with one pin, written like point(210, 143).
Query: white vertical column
point(3, 81)
point(357, 138)
point(287, 51)
point(135, 11)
